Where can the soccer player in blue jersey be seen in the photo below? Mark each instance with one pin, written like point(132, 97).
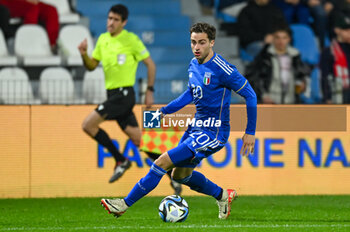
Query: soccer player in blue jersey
point(211, 80)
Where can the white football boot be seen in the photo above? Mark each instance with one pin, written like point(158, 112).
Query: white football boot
point(115, 206)
point(228, 195)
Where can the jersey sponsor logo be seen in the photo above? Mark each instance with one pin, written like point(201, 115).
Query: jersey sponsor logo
point(190, 75)
point(207, 77)
point(121, 58)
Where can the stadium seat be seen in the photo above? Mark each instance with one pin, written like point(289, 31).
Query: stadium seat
point(245, 56)
point(305, 41)
point(136, 7)
point(160, 55)
point(56, 86)
point(227, 47)
point(221, 15)
point(15, 87)
point(66, 16)
point(166, 90)
point(149, 37)
point(32, 45)
point(5, 58)
point(158, 22)
point(238, 63)
point(94, 91)
point(69, 38)
point(166, 71)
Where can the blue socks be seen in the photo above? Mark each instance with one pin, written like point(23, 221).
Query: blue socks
point(145, 185)
point(198, 182)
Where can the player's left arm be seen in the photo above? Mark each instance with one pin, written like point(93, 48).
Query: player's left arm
point(151, 73)
point(175, 105)
point(241, 86)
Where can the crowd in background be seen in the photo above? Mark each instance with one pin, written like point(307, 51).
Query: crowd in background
point(276, 71)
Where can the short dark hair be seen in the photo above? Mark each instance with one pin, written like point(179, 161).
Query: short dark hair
point(204, 28)
point(121, 10)
point(283, 27)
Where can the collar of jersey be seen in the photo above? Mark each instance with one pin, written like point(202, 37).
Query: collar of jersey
point(208, 62)
point(119, 35)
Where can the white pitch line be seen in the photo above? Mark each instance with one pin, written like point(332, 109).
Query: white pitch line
point(177, 227)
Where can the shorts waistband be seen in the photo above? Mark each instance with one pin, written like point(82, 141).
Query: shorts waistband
point(120, 89)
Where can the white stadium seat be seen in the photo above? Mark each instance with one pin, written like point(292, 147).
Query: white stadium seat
point(56, 86)
point(65, 14)
point(94, 91)
point(69, 39)
point(15, 87)
point(32, 45)
point(5, 58)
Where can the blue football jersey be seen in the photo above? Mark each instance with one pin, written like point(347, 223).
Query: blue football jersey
point(211, 84)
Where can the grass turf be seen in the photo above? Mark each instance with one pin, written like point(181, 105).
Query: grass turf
point(249, 213)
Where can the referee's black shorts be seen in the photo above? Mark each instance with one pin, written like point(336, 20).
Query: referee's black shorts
point(118, 106)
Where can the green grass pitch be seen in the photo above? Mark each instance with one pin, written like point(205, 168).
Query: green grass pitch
point(249, 213)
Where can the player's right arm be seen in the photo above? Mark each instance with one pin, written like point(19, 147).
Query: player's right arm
point(184, 99)
point(90, 63)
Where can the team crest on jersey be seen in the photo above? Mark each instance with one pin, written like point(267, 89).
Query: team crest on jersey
point(121, 58)
point(207, 77)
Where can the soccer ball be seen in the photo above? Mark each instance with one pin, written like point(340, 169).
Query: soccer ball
point(173, 209)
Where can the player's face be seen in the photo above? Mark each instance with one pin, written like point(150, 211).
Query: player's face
point(115, 23)
point(201, 46)
point(281, 40)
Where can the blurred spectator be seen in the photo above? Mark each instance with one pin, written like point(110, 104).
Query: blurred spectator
point(295, 11)
point(4, 21)
point(278, 75)
point(33, 12)
point(339, 7)
point(300, 11)
point(334, 64)
point(255, 24)
point(207, 6)
point(320, 10)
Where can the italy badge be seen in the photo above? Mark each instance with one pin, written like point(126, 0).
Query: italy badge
point(206, 79)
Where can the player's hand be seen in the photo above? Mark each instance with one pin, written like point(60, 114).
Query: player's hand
point(268, 38)
point(248, 144)
point(83, 47)
point(149, 98)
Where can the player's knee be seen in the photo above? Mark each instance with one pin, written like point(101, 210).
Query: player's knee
point(87, 127)
point(163, 161)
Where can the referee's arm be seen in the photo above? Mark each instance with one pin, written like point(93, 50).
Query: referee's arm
point(151, 73)
point(89, 63)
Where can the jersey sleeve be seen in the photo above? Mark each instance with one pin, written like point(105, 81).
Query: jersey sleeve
point(140, 50)
point(184, 99)
point(96, 53)
point(236, 82)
